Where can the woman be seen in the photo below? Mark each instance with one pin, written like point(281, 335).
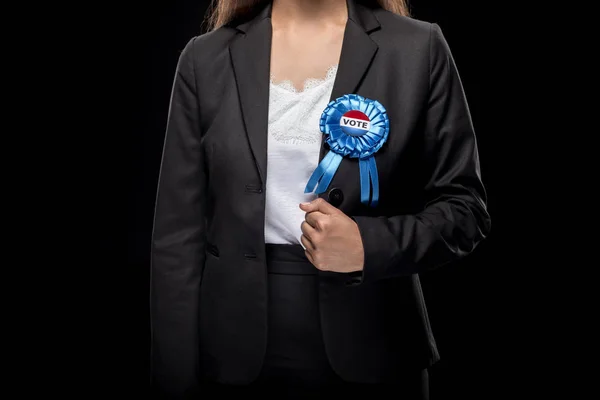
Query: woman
point(355, 109)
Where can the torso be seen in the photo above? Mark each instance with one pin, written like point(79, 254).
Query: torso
point(305, 51)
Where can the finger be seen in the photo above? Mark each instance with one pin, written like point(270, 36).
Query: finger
point(321, 205)
point(308, 245)
point(313, 219)
point(308, 231)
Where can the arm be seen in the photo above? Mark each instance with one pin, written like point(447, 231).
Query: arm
point(178, 241)
point(454, 219)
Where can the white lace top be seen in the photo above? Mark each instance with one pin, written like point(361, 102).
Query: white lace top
point(294, 140)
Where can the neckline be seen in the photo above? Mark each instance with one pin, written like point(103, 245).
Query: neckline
point(309, 83)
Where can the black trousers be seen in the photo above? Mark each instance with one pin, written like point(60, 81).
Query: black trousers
point(296, 364)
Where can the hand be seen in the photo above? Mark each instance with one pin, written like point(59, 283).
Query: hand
point(331, 238)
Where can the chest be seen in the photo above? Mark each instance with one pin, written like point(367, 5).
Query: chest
point(237, 108)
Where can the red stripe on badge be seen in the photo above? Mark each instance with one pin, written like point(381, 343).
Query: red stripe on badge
point(355, 114)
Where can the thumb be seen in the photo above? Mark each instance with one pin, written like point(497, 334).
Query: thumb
point(319, 205)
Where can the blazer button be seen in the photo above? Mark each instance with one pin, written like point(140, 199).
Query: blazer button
point(335, 197)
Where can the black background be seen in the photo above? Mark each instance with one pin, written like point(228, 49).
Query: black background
point(472, 304)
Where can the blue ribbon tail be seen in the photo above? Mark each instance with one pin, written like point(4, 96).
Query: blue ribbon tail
point(364, 181)
point(368, 176)
point(324, 173)
point(375, 181)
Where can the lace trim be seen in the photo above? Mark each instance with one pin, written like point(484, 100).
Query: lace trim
point(296, 137)
point(309, 83)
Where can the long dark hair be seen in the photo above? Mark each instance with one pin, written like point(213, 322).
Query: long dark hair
point(224, 11)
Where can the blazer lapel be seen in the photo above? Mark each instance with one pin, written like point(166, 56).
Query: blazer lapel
point(358, 49)
point(251, 59)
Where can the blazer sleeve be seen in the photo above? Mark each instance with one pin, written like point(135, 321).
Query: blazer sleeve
point(454, 219)
point(178, 241)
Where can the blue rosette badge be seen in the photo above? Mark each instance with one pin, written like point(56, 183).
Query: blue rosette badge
point(357, 127)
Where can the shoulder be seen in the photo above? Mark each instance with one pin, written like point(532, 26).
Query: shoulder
point(208, 46)
point(411, 34)
point(394, 24)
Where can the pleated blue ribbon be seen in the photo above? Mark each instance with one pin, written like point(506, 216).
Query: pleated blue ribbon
point(357, 127)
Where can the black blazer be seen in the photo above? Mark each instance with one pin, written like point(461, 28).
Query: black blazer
point(208, 279)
